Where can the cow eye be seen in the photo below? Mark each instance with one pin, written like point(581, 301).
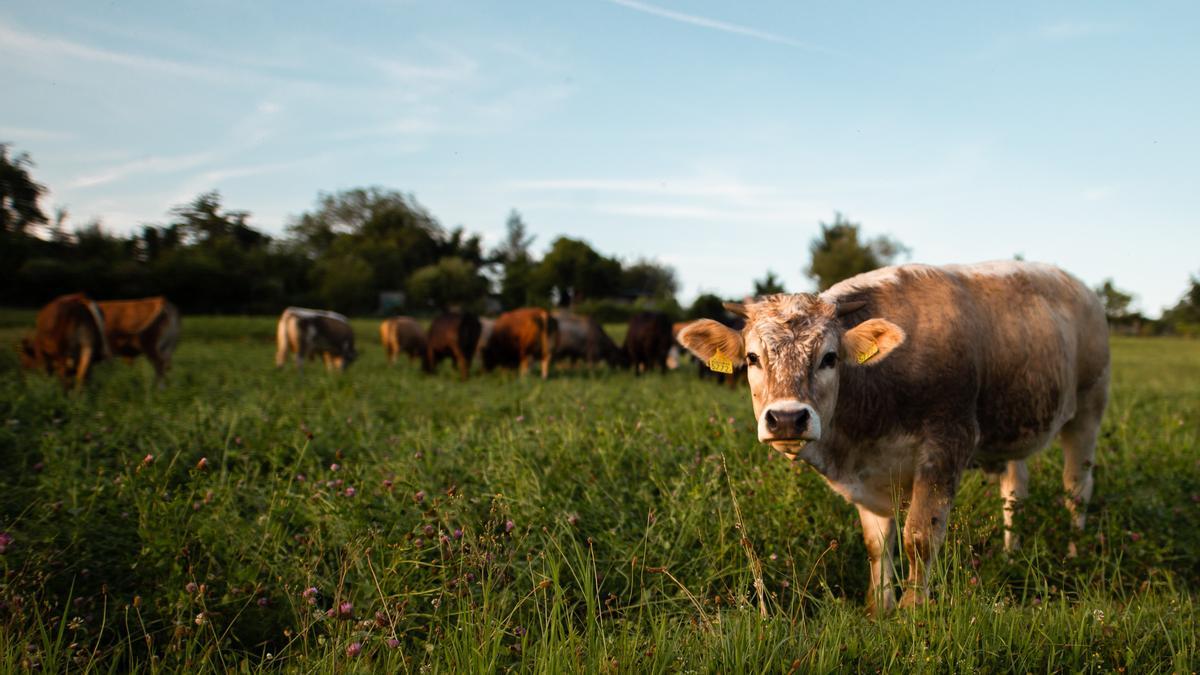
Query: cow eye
point(829, 360)
point(752, 359)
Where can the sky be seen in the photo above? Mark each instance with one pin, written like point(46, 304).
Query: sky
point(711, 136)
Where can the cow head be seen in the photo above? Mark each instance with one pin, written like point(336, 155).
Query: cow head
point(793, 347)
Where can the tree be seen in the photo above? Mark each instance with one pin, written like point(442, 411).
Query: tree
point(516, 263)
point(839, 254)
point(1187, 310)
point(707, 306)
point(573, 271)
point(1116, 302)
point(648, 279)
point(449, 283)
point(19, 194)
point(769, 285)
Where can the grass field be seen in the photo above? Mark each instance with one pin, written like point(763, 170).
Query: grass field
point(385, 521)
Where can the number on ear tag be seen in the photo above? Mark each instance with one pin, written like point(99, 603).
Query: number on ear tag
point(719, 364)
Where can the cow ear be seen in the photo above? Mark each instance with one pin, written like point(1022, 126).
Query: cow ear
point(736, 308)
point(871, 341)
point(706, 337)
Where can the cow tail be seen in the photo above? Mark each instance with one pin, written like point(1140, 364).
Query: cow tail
point(170, 335)
point(101, 333)
point(281, 339)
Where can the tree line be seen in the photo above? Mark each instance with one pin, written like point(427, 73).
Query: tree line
point(367, 250)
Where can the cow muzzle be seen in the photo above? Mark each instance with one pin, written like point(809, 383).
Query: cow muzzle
point(789, 423)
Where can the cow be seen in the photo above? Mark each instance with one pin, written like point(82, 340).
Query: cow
point(648, 342)
point(519, 336)
point(307, 332)
point(703, 370)
point(403, 335)
point(892, 383)
point(148, 326)
point(583, 338)
point(68, 339)
point(453, 335)
point(485, 333)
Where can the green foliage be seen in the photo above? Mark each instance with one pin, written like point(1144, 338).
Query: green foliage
point(516, 263)
point(625, 551)
point(768, 285)
point(1187, 310)
point(649, 279)
point(707, 306)
point(452, 282)
point(19, 195)
point(1116, 302)
point(839, 253)
point(573, 271)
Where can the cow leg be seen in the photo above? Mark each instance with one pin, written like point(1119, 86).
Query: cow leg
point(879, 534)
point(523, 365)
point(1079, 454)
point(1014, 486)
point(460, 360)
point(545, 367)
point(925, 526)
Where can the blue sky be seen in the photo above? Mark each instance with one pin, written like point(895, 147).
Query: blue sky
point(712, 136)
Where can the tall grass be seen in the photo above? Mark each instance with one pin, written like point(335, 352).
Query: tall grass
point(384, 521)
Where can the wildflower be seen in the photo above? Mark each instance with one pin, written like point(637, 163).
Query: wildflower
point(519, 631)
point(572, 519)
point(202, 464)
point(335, 466)
point(428, 530)
point(263, 601)
point(6, 540)
point(458, 533)
point(520, 418)
point(191, 587)
point(345, 610)
point(37, 468)
point(419, 496)
point(148, 460)
point(350, 491)
point(1135, 536)
point(200, 619)
point(310, 594)
point(393, 643)
point(732, 420)
point(387, 484)
point(418, 542)
point(300, 478)
point(508, 526)
point(353, 649)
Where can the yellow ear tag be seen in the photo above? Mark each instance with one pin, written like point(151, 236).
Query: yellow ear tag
point(718, 363)
point(863, 357)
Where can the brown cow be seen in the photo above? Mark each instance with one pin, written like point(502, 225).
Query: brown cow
point(68, 338)
point(308, 332)
point(894, 382)
point(147, 326)
point(453, 335)
point(520, 335)
point(401, 334)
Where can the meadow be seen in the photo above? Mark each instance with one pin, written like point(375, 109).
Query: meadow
point(250, 519)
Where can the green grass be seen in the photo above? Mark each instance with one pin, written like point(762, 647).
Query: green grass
point(624, 554)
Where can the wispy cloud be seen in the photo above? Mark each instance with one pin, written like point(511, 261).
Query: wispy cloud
point(28, 134)
point(664, 187)
point(34, 47)
point(1070, 30)
point(157, 164)
point(714, 24)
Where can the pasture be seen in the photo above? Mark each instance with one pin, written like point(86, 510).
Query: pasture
point(385, 521)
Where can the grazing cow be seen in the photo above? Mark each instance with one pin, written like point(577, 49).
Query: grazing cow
point(892, 383)
point(68, 338)
point(648, 341)
point(400, 334)
point(308, 332)
point(147, 326)
point(453, 335)
point(583, 338)
point(521, 335)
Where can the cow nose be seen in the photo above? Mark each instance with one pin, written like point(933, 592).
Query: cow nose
point(787, 423)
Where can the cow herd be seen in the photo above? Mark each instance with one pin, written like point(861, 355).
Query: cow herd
point(890, 384)
point(516, 339)
point(74, 332)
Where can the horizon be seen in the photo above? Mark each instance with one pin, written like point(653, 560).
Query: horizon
point(707, 137)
